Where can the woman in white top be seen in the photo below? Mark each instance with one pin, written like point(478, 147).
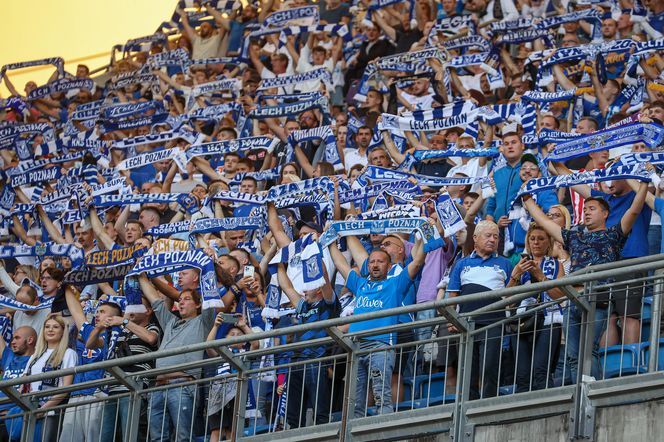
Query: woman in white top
point(51, 353)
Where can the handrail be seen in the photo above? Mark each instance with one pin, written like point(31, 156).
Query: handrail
point(609, 270)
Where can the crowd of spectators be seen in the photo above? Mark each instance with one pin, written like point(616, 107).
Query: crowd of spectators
point(195, 190)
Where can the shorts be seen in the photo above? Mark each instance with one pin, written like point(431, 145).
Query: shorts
point(626, 300)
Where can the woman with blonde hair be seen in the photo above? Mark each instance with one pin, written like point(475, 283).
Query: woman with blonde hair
point(537, 340)
point(51, 353)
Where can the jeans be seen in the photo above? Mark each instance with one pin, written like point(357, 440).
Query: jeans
point(115, 419)
point(172, 408)
point(654, 239)
point(486, 358)
point(379, 365)
point(544, 357)
point(421, 334)
point(573, 317)
point(308, 387)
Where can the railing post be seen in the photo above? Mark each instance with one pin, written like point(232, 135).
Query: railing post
point(583, 417)
point(134, 415)
point(463, 431)
point(351, 380)
point(29, 424)
point(240, 405)
point(655, 319)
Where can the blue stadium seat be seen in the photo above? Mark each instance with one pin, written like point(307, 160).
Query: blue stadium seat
point(646, 317)
point(430, 390)
point(645, 348)
point(258, 429)
point(506, 390)
point(621, 360)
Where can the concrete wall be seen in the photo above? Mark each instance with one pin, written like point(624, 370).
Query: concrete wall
point(551, 429)
point(633, 423)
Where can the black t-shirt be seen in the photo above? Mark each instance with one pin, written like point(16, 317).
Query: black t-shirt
point(438, 168)
point(405, 39)
point(334, 16)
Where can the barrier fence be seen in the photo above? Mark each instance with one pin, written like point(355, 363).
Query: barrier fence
point(446, 370)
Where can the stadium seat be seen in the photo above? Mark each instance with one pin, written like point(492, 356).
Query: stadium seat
point(254, 430)
point(506, 390)
point(621, 360)
point(645, 349)
point(646, 318)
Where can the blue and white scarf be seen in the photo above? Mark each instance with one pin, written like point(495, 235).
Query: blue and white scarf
point(74, 253)
point(449, 215)
point(650, 134)
point(615, 172)
point(402, 187)
point(157, 138)
point(61, 85)
point(525, 35)
point(36, 176)
point(126, 110)
point(399, 211)
point(131, 78)
point(134, 123)
point(171, 262)
point(282, 18)
point(7, 302)
point(326, 135)
point(227, 84)
point(58, 62)
point(454, 152)
point(144, 159)
point(375, 173)
point(321, 74)
point(169, 229)
point(214, 225)
point(115, 257)
point(144, 44)
point(290, 109)
point(548, 97)
point(430, 235)
point(334, 30)
point(185, 200)
point(237, 145)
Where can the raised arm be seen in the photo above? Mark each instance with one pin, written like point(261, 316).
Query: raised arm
point(147, 289)
point(53, 232)
point(74, 306)
point(99, 230)
point(275, 226)
point(418, 258)
point(357, 250)
point(287, 286)
point(339, 260)
point(397, 156)
point(628, 219)
point(540, 218)
point(187, 30)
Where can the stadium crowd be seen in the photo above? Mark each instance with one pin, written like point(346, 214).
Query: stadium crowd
point(254, 166)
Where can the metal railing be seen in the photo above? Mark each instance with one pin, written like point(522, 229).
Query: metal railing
point(346, 386)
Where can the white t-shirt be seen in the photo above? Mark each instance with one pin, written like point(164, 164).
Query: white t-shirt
point(353, 157)
point(69, 360)
point(305, 66)
point(205, 47)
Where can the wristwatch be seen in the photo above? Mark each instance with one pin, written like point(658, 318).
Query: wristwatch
point(125, 322)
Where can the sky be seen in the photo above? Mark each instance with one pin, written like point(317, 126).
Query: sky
point(80, 31)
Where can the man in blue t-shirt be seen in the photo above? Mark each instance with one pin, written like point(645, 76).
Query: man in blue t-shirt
point(84, 423)
point(14, 360)
point(377, 292)
point(309, 381)
point(481, 272)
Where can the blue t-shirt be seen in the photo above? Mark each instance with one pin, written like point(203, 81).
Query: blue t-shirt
point(90, 356)
point(411, 294)
point(637, 241)
point(474, 274)
point(371, 296)
point(659, 208)
point(12, 367)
